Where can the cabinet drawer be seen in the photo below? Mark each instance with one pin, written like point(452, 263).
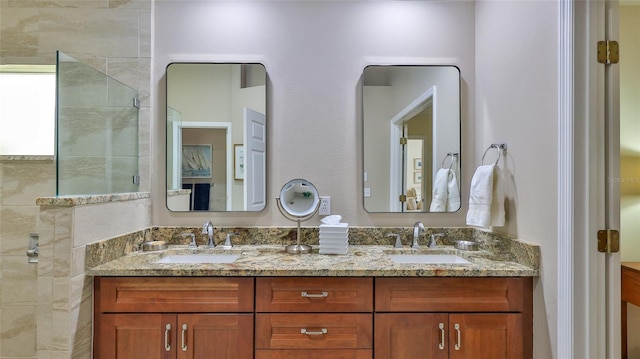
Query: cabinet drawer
point(316, 294)
point(314, 331)
point(173, 294)
point(453, 294)
point(315, 354)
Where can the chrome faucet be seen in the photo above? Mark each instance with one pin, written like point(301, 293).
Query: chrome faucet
point(417, 229)
point(207, 228)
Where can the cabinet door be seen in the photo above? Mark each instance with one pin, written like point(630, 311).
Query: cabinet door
point(486, 336)
point(411, 335)
point(135, 336)
point(213, 336)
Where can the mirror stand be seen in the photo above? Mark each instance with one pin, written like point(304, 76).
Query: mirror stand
point(298, 201)
point(295, 248)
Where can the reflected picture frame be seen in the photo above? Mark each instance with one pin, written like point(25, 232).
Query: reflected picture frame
point(417, 177)
point(196, 161)
point(417, 163)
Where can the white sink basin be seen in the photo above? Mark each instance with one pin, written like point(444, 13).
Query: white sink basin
point(428, 258)
point(199, 258)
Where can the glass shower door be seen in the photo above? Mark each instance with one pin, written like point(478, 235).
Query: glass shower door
point(96, 131)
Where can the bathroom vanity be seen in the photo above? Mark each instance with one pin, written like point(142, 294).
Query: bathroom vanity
point(269, 304)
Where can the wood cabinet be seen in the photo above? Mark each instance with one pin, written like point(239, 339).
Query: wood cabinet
point(313, 317)
point(453, 318)
point(320, 317)
point(173, 318)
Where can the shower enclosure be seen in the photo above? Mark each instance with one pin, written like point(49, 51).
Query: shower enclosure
point(96, 131)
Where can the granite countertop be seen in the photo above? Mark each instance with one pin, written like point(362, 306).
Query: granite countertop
point(271, 260)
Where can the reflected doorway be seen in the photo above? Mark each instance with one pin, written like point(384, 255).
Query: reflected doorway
point(629, 22)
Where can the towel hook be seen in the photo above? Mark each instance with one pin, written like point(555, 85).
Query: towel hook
point(454, 157)
point(500, 147)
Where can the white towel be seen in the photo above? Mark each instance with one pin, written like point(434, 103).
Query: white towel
point(439, 196)
point(497, 205)
point(486, 199)
point(453, 192)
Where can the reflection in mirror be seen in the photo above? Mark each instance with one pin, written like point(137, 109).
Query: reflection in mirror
point(298, 201)
point(216, 137)
point(411, 125)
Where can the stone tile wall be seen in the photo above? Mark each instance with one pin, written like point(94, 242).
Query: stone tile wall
point(21, 181)
point(64, 307)
point(114, 37)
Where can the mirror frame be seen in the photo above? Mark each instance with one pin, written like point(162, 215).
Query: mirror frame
point(283, 198)
point(298, 216)
point(416, 104)
point(257, 129)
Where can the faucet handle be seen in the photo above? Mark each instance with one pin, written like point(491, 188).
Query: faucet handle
point(206, 226)
point(432, 239)
point(398, 243)
point(227, 242)
point(193, 243)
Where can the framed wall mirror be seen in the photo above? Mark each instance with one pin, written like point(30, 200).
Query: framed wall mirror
point(411, 138)
point(216, 137)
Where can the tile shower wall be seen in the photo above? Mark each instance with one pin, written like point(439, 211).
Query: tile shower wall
point(21, 181)
point(64, 309)
point(112, 36)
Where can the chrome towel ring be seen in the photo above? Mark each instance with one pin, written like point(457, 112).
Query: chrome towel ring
point(454, 157)
point(500, 147)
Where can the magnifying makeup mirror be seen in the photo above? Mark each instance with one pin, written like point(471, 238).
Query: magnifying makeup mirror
point(298, 201)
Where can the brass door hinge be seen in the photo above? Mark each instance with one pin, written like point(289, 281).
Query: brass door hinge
point(608, 241)
point(403, 198)
point(403, 140)
point(608, 52)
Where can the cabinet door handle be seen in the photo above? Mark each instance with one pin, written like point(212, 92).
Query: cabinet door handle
point(441, 327)
point(167, 330)
point(184, 335)
point(312, 295)
point(458, 342)
point(307, 332)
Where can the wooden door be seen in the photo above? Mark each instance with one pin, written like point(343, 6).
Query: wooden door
point(411, 335)
point(213, 336)
point(135, 336)
point(486, 336)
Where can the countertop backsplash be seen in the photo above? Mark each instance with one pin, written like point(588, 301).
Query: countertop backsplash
point(506, 249)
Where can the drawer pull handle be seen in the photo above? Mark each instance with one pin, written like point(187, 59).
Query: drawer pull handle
point(321, 332)
point(441, 327)
point(458, 343)
point(312, 295)
point(184, 334)
point(167, 345)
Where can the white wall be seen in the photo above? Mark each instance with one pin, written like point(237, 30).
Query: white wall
point(314, 53)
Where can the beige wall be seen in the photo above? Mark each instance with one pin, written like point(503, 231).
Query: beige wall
point(315, 129)
point(517, 104)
